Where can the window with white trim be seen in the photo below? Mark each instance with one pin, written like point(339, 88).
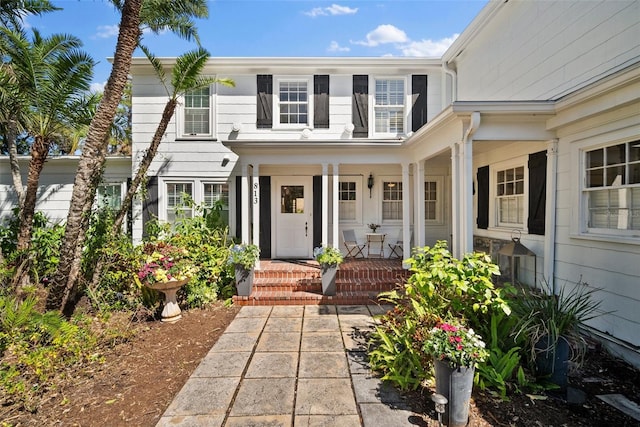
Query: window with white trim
point(510, 200)
point(197, 112)
point(347, 200)
point(431, 200)
point(109, 196)
point(392, 200)
point(217, 195)
point(178, 195)
point(293, 106)
point(612, 188)
point(389, 106)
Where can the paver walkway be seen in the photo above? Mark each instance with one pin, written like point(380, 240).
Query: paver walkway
point(290, 366)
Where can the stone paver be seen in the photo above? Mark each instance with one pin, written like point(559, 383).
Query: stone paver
point(300, 365)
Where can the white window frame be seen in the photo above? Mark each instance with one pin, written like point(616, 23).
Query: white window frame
point(493, 193)
point(120, 185)
point(624, 191)
point(358, 202)
point(278, 80)
point(439, 219)
point(374, 107)
point(204, 196)
point(165, 196)
point(382, 181)
point(180, 117)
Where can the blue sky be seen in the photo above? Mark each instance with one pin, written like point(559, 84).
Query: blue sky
point(267, 28)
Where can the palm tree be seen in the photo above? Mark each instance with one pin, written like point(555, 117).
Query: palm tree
point(51, 74)
point(157, 15)
point(12, 12)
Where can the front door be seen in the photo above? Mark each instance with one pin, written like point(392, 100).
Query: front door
point(293, 217)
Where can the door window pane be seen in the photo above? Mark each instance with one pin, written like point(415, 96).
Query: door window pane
point(292, 199)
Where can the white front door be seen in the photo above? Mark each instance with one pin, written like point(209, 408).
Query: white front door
point(293, 217)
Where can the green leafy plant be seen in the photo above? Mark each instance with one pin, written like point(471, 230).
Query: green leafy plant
point(328, 256)
point(164, 262)
point(244, 255)
point(457, 345)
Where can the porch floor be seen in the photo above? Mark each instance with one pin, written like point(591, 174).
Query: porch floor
point(298, 282)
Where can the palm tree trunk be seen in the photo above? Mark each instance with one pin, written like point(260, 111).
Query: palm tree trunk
point(39, 151)
point(93, 153)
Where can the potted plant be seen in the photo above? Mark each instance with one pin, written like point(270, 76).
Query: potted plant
point(329, 258)
point(456, 351)
point(549, 324)
point(166, 268)
point(243, 257)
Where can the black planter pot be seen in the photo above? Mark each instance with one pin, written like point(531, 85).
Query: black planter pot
point(552, 361)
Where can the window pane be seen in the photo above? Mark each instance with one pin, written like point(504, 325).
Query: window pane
point(615, 175)
point(109, 196)
point(595, 178)
point(634, 151)
point(197, 112)
point(292, 199)
point(293, 103)
point(392, 200)
point(634, 173)
point(616, 154)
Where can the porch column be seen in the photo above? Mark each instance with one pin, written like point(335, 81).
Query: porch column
point(336, 206)
point(455, 200)
point(467, 197)
point(550, 214)
point(244, 217)
point(325, 203)
point(418, 227)
point(255, 202)
point(406, 212)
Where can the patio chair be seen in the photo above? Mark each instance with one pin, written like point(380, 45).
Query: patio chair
point(354, 249)
point(397, 248)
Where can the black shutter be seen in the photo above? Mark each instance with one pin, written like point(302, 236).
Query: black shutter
point(419, 101)
point(150, 204)
point(317, 211)
point(265, 217)
point(360, 106)
point(537, 192)
point(264, 119)
point(482, 221)
point(238, 207)
point(321, 101)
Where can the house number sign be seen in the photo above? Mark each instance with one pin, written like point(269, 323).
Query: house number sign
point(255, 193)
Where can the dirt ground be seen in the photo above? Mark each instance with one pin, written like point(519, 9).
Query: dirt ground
point(140, 378)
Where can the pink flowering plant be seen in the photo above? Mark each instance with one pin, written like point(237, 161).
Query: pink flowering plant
point(455, 344)
point(163, 262)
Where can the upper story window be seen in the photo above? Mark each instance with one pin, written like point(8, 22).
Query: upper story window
point(178, 194)
point(389, 106)
point(347, 197)
point(194, 118)
point(293, 106)
point(392, 200)
point(612, 187)
point(510, 201)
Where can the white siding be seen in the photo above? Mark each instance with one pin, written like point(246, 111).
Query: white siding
point(538, 50)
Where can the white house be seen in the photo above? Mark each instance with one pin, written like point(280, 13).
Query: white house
point(528, 126)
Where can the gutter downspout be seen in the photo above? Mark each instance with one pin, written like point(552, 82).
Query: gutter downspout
point(467, 183)
point(550, 214)
point(454, 83)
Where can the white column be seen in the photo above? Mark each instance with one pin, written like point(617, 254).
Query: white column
point(406, 212)
point(255, 202)
point(467, 197)
point(244, 217)
point(550, 214)
point(419, 235)
point(325, 204)
point(455, 200)
point(336, 207)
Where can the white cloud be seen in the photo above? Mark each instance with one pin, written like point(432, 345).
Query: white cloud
point(428, 47)
point(97, 87)
point(106, 31)
point(335, 47)
point(384, 34)
point(333, 10)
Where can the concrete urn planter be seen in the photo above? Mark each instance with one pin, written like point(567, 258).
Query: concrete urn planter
point(244, 280)
point(328, 275)
point(171, 312)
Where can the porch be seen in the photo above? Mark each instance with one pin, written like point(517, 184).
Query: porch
point(297, 282)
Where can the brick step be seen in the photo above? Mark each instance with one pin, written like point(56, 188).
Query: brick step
point(316, 284)
point(306, 298)
point(387, 274)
